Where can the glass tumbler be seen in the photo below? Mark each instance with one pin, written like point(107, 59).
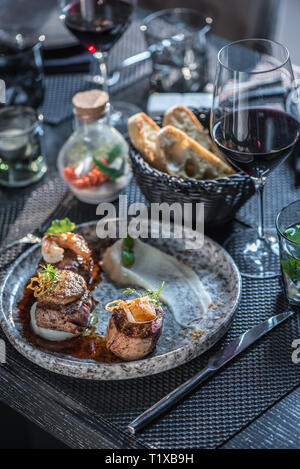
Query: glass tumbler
point(21, 159)
point(288, 230)
point(22, 71)
point(176, 38)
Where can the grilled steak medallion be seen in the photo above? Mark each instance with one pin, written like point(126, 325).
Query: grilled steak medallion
point(72, 317)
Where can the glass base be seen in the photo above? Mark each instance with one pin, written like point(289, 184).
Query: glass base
point(22, 174)
point(255, 257)
point(119, 114)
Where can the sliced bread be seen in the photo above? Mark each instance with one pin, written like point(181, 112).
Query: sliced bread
point(185, 120)
point(186, 158)
point(143, 133)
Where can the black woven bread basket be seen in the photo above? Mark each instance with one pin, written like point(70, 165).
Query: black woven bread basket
point(222, 197)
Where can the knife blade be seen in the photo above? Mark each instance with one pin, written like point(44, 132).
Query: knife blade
point(216, 362)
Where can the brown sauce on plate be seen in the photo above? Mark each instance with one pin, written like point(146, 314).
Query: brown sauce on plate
point(91, 346)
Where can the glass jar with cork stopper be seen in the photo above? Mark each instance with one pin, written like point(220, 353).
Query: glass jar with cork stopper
point(94, 160)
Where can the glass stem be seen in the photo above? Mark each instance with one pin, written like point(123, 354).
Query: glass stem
point(101, 58)
point(259, 186)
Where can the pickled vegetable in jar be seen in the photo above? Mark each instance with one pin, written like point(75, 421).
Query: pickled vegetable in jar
point(94, 160)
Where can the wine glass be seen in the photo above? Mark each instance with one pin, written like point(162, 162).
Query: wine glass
point(98, 24)
point(256, 129)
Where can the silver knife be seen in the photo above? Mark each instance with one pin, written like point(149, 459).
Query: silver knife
point(216, 362)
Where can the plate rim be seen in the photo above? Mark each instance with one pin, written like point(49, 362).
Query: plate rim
point(125, 370)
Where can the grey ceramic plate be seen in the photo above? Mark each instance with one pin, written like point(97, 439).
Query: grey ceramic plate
point(217, 271)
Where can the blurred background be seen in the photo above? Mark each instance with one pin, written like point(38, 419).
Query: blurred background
point(233, 19)
point(23, 23)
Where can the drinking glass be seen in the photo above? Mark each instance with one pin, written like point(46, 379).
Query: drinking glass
point(288, 230)
point(21, 158)
point(22, 72)
point(256, 129)
point(98, 25)
point(176, 38)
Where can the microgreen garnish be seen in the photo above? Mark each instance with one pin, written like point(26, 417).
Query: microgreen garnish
point(50, 273)
point(44, 281)
point(133, 291)
point(61, 226)
point(153, 295)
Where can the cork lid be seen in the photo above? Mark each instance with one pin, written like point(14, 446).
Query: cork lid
point(90, 105)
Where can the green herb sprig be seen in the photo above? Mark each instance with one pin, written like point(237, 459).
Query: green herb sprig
point(112, 173)
point(50, 274)
point(291, 267)
point(110, 154)
point(114, 153)
point(153, 295)
point(45, 280)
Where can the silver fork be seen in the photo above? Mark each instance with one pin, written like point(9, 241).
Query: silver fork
point(36, 236)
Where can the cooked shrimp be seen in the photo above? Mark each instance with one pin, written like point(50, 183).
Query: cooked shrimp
point(53, 246)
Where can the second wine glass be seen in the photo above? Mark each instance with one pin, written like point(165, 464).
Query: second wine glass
point(98, 25)
point(256, 130)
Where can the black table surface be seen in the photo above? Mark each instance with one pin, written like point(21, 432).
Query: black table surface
point(21, 387)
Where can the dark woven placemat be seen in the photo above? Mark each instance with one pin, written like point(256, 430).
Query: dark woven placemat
point(221, 407)
point(279, 192)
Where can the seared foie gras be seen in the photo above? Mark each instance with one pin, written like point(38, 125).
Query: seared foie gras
point(69, 287)
point(134, 328)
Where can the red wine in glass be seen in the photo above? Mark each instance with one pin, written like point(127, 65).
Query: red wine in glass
point(262, 139)
point(256, 135)
point(98, 24)
point(108, 21)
